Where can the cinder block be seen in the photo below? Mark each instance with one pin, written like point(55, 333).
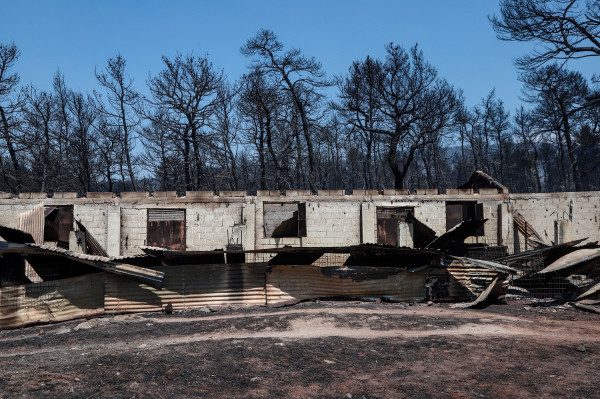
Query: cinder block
point(359, 191)
point(164, 194)
point(268, 193)
point(427, 191)
point(32, 195)
point(100, 195)
point(134, 194)
point(64, 194)
point(297, 193)
point(396, 192)
point(459, 191)
point(488, 191)
point(199, 194)
point(224, 193)
point(330, 193)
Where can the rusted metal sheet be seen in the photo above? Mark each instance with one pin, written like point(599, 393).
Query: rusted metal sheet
point(32, 222)
point(576, 262)
point(458, 233)
point(286, 283)
point(488, 264)
point(422, 234)
point(481, 298)
point(190, 286)
point(534, 239)
point(461, 280)
point(239, 284)
point(15, 235)
point(353, 250)
point(595, 289)
point(52, 301)
point(137, 273)
point(166, 228)
point(387, 224)
point(481, 179)
point(92, 244)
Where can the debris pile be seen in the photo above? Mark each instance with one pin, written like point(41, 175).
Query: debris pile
point(46, 283)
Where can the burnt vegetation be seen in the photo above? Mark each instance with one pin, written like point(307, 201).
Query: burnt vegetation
point(392, 122)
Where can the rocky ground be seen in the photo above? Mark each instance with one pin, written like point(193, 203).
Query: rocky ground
point(310, 350)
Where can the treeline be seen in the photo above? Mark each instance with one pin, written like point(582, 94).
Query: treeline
point(390, 122)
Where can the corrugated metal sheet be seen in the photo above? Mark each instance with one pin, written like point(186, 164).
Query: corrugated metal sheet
point(137, 273)
point(534, 240)
point(463, 281)
point(166, 228)
point(580, 261)
point(188, 286)
point(92, 244)
point(158, 215)
point(15, 235)
point(287, 282)
point(32, 222)
point(52, 301)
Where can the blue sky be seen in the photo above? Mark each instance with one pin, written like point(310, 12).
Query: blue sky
point(77, 36)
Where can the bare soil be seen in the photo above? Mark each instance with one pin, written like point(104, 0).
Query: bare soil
point(310, 350)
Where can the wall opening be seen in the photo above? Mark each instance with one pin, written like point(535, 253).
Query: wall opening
point(388, 219)
point(284, 219)
point(58, 224)
point(459, 211)
point(166, 229)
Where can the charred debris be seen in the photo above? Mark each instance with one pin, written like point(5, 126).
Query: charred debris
point(43, 283)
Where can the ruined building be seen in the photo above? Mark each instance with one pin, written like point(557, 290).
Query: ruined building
point(67, 256)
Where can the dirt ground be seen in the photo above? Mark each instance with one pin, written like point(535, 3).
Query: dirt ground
point(310, 350)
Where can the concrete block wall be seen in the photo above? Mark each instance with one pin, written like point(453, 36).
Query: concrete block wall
point(211, 225)
point(330, 221)
point(94, 217)
point(542, 210)
point(134, 225)
point(119, 224)
point(11, 209)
